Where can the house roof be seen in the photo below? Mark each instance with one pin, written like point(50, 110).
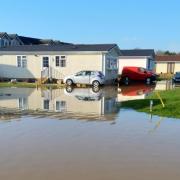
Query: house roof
point(12, 36)
point(60, 47)
point(29, 40)
point(138, 52)
point(2, 34)
point(37, 41)
point(167, 58)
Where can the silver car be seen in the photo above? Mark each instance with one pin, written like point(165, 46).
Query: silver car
point(95, 78)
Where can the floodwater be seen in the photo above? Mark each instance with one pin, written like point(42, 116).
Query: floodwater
point(83, 134)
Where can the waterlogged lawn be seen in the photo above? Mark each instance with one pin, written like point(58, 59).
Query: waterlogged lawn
point(171, 99)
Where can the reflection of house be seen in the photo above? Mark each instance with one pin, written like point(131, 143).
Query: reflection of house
point(82, 101)
point(138, 57)
point(57, 61)
point(164, 85)
point(167, 64)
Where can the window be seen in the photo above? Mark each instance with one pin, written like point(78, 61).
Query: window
point(112, 63)
point(6, 44)
point(2, 43)
point(81, 73)
point(23, 103)
point(60, 106)
point(46, 104)
point(57, 61)
point(60, 61)
point(88, 73)
point(45, 61)
point(21, 61)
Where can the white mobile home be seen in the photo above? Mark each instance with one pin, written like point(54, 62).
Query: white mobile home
point(138, 57)
point(58, 61)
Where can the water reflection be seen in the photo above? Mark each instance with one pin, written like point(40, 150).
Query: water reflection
point(134, 92)
point(72, 103)
point(69, 102)
point(164, 85)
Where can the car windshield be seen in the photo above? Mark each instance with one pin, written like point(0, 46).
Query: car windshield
point(100, 73)
point(178, 74)
point(142, 69)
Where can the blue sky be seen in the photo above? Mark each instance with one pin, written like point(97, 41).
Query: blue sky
point(129, 23)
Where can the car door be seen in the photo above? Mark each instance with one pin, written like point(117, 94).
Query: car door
point(82, 77)
point(78, 77)
point(141, 74)
point(86, 79)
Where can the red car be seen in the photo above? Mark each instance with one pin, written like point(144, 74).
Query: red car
point(137, 74)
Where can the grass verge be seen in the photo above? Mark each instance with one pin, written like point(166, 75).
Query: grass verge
point(28, 85)
point(171, 99)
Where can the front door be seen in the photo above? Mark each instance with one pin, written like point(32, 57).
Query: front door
point(45, 66)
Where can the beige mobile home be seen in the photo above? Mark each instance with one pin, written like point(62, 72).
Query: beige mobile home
point(58, 61)
point(167, 64)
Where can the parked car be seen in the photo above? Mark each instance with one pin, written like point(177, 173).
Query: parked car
point(176, 78)
point(95, 78)
point(137, 74)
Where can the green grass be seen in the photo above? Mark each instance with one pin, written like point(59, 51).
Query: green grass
point(19, 84)
point(27, 85)
point(171, 99)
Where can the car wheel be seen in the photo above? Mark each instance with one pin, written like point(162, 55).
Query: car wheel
point(126, 80)
point(96, 83)
point(95, 89)
point(148, 81)
point(69, 89)
point(69, 82)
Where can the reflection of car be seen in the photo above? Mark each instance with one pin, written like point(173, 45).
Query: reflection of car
point(84, 94)
point(136, 90)
point(176, 78)
point(137, 74)
point(95, 78)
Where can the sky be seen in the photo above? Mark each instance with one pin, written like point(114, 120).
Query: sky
point(129, 23)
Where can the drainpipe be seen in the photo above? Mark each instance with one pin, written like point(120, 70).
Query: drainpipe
point(50, 68)
point(104, 64)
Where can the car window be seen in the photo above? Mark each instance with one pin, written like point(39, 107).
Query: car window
point(100, 73)
point(88, 73)
point(142, 70)
point(82, 73)
point(178, 74)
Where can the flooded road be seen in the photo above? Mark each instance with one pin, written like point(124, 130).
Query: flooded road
point(83, 134)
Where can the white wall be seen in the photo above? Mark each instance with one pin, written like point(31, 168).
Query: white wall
point(132, 61)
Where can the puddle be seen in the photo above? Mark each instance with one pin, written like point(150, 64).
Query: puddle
point(81, 134)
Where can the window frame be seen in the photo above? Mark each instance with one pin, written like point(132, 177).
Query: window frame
point(62, 106)
point(22, 62)
point(61, 62)
point(43, 61)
